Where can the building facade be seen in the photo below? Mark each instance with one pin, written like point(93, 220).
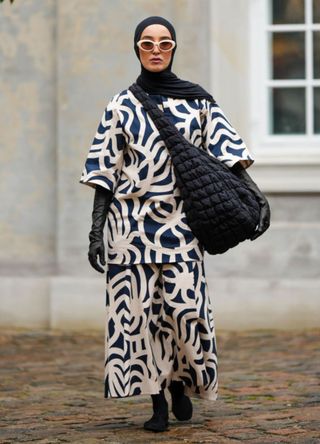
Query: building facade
point(60, 64)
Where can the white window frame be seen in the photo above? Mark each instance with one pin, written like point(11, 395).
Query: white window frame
point(287, 148)
point(286, 162)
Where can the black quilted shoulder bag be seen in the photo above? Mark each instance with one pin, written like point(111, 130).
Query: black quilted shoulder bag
point(220, 209)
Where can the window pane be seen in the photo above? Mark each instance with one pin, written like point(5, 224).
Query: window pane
point(317, 110)
point(287, 11)
point(288, 111)
point(288, 55)
point(316, 54)
point(316, 11)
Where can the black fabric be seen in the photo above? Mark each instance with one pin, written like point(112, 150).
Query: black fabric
point(181, 403)
point(265, 212)
point(159, 421)
point(221, 210)
point(166, 82)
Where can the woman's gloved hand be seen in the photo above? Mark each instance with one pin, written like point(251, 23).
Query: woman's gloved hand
point(265, 212)
point(101, 203)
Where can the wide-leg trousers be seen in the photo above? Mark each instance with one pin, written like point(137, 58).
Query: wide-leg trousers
point(159, 327)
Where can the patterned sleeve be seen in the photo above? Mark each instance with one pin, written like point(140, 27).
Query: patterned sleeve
point(104, 160)
point(220, 138)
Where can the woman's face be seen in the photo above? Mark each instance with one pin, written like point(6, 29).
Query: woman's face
point(156, 33)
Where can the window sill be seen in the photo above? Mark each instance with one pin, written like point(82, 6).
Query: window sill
point(294, 175)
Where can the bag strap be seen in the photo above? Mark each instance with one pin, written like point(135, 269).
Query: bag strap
point(168, 131)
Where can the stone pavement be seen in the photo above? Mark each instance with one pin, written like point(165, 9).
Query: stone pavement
point(52, 392)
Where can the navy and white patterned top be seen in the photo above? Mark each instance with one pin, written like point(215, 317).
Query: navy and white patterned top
point(145, 221)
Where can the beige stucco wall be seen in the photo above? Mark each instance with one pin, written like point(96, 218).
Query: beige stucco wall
point(28, 137)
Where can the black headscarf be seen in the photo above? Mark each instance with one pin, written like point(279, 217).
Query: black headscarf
point(165, 82)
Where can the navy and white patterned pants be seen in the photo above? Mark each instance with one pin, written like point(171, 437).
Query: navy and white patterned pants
point(159, 327)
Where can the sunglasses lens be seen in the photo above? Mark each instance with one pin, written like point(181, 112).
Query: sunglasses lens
point(147, 46)
point(166, 45)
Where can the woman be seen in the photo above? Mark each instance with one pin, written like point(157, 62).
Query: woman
point(159, 329)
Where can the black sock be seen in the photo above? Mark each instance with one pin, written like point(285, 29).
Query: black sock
point(177, 388)
point(160, 418)
point(181, 403)
point(159, 402)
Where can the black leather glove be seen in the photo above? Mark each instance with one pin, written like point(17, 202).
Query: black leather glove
point(101, 203)
point(265, 212)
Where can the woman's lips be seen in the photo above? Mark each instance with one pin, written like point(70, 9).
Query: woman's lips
point(156, 60)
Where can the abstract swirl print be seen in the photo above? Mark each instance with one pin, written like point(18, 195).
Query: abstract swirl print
point(146, 222)
point(159, 327)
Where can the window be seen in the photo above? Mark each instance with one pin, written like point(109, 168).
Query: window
point(294, 52)
point(285, 79)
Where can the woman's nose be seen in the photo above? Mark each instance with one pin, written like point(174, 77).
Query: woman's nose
point(156, 49)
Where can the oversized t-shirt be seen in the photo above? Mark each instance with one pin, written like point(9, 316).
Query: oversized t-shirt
point(146, 222)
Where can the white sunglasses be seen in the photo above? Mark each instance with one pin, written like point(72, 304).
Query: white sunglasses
point(148, 45)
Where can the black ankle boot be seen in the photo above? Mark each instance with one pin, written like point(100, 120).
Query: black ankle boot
point(181, 404)
point(160, 418)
